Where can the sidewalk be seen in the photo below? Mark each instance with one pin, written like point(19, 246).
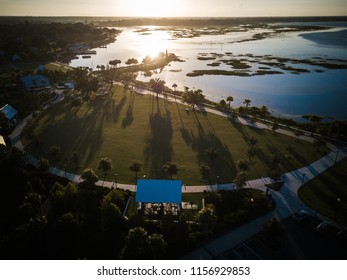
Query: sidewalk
point(287, 200)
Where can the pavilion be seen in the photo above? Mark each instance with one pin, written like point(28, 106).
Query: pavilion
point(159, 196)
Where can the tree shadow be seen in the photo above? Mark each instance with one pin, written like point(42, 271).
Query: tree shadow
point(159, 144)
point(116, 110)
point(223, 165)
point(129, 115)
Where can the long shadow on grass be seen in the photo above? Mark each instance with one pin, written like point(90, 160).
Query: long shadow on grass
point(159, 144)
point(117, 109)
point(129, 115)
point(223, 164)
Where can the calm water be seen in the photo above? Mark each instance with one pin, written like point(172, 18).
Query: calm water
point(287, 94)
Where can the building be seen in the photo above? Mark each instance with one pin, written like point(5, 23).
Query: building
point(10, 114)
point(159, 197)
point(34, 82)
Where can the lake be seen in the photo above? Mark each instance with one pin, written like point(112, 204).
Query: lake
point(313, 90)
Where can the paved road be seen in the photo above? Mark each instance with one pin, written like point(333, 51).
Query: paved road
point(287, 200)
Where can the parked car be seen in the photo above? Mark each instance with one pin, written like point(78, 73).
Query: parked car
point(327, 228)
point(300, 215)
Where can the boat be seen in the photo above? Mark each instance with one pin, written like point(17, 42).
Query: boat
point(86, 56)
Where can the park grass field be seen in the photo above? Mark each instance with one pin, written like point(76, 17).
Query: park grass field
point(323, 191)
point(132, 126)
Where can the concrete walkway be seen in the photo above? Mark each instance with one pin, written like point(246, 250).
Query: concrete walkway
point(287, 200)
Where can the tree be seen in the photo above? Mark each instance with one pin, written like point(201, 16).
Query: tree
point(76, 158)
point(105, 166)
point(132, 61)
point(247, 102)
point(136, 246)
point(43, 165)
point(157, 85)
point(297, 133)
point(264, 111)
point(251, 153)
point(243, 165)
point(222, 103)
point(115, 62)
point(89, 176)
point(314, 119)
point(136, 167)
point(318, 142)
point(115, 196)
point(230, 99)
point(54, 151)
point(204, 171)
point(274, 127)
point(207, 218)
point(174, 86)
point(252, 141)
point(240, 179)
point(193, 97)
point(171, 169)
point(157, 246)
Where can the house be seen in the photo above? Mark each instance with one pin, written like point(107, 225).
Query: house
point(10, 114)
point(33, 82)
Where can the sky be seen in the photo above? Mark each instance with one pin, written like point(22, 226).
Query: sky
point(173, 8)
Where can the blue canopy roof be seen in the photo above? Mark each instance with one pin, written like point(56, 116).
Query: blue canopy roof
point(159, 191)
point(9, 111)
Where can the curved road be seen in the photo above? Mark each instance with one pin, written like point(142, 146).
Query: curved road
point(287, 200)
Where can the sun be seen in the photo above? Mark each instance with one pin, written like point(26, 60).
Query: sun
point(150, 8)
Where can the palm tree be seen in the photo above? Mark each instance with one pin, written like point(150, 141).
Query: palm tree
point(105, 166)
point(171, 169)
point(174, 86)
point(193, 97)
point(157, 85)
point(136, 167)
point(247, 102)
point(230, 99)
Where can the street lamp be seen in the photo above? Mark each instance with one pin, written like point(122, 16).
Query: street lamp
point(303, 178)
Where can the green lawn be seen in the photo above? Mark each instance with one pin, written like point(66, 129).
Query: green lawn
point(134, 126)
point(322, 193)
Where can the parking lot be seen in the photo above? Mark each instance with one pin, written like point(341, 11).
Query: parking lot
point(298, 240)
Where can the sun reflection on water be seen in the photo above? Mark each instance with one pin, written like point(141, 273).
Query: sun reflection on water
point(151, 43)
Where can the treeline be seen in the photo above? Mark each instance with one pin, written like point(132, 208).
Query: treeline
point(43, 41)
point(127, 22)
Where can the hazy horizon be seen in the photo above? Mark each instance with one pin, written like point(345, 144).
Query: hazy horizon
point(174, 8)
